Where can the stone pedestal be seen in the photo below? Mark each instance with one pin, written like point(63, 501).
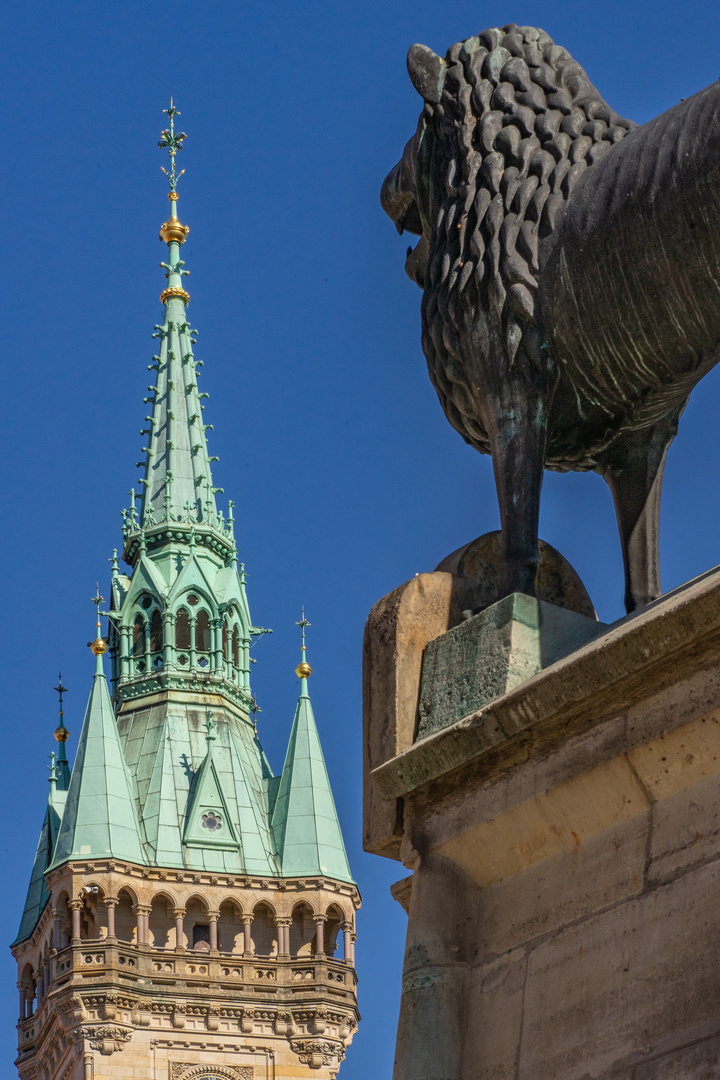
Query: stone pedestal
point(564, 847)
point(491, 653)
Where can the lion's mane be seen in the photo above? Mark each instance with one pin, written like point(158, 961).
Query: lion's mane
point(517, 125)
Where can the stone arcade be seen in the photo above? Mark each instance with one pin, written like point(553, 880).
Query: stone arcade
point(190, 916)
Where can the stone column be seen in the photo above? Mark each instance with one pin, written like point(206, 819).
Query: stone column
point(438, 955)
point(124, 651)
point(213, 916)
point(111, 903)
point(217, 660)
point(319, 935)
point(179, 913)
point(245, 662)
point(88, 1067)
point(142, 913)
point(168, 639)
point(347, 942)
point(76, 907)
point(192, 619)
point(57, 932)
point(247, 934)
point(283, 925)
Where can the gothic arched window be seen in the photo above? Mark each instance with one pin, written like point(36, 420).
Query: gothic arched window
point(202, 632)
point(182, 630)
point(236, 647)
point(226, 641)
point(138, 645)
point(156, 631)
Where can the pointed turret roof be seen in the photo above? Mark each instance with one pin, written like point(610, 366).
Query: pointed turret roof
point(99, 820)
point(38, 894)
point(305, 823)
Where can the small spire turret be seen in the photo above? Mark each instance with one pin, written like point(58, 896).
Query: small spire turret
point(62, 735)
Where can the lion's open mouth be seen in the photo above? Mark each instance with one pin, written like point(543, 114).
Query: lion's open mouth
point(398, 202)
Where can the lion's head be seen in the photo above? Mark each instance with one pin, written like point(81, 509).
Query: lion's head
point(509, 125)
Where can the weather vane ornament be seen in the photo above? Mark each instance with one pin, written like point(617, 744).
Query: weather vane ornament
point(172, 140)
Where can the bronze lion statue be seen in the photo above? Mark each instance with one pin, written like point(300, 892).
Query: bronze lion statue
point(570, 267)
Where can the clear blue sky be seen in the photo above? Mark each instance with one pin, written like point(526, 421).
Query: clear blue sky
point(347, 477)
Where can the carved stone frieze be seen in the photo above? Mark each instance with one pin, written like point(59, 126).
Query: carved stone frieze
point(317, 1052)
point(107, 1038)
point(181, 1071)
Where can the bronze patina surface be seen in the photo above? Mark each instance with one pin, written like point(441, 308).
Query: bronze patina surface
point(570, 267)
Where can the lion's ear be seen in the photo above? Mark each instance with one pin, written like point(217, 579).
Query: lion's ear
point(427, 72)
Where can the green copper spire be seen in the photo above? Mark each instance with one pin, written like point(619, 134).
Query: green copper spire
point(305, 823)
point(37, 894)
point(99, 820)
point(177, 482)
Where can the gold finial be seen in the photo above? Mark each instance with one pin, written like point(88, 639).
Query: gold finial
point(303, 670)
point(172, 230)
point(98, 646)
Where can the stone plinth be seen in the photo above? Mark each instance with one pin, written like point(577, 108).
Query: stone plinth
point(564, 843)
point(493, 652)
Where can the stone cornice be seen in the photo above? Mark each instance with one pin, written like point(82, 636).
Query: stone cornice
point(634, 659)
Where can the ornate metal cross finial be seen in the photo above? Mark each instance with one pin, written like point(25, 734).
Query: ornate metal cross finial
point(97, 600)
point(302, 624)
point(60, 690)
point(172, 140)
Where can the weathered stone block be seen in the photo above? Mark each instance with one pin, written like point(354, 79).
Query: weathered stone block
point(397, 631)
point(495, 996)
point(637, 980)
point(493, 652)
point(561, 818)
point(594, 873)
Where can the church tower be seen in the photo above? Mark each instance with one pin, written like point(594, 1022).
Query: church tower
point(190, 915)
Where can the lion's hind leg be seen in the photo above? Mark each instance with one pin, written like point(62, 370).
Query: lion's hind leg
point(633, 468)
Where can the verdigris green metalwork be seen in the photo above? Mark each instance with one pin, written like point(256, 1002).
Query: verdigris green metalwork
point(37, 894)
point(159, 779)
point(305, 822)
point(173, 140)
point(100, 818)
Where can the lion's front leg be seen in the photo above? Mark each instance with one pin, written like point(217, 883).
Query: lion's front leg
point(517, 426)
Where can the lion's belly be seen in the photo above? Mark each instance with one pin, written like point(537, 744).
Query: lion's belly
point(630, 279)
